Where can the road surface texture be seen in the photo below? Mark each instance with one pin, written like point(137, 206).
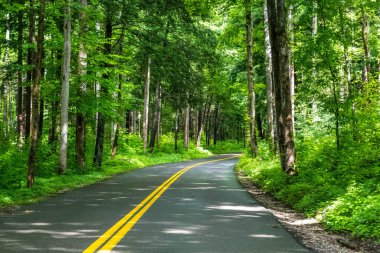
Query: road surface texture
point(164, 208)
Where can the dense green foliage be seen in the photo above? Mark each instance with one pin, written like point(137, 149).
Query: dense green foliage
point(12, 176)
point(340, 189)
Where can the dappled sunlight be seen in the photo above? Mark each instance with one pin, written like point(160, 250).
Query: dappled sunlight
point(178, 231)
point(303, 222)
point(263, 236)
point(239, 208)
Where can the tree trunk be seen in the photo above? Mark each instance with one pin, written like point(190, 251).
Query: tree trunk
point(291, 62)
point(80, 129)
point(31, 61)
point(41, 116)
point(20, 118)
point(216, 123)
point(139, 122)
point(35, 95)
point(269, 82)
point(159, 129)
point(98, 157)
point(53, 128)
point(176, 129)
point(251, 91)
point(116, 137)
point(146, 104)
point(132, 122)
point(365, 36)
point(280, 59)
point(65, 90)
point(155, 117)
point(260, 129)
point(186, 125)
point(6, 77)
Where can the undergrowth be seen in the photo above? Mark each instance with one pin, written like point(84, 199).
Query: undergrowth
point(341, 188)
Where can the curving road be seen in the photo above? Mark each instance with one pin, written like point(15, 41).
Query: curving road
point(195, 206)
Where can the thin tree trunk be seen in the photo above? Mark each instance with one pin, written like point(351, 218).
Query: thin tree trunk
point(176, 131)
point(186, 125)
point(251, 91)
point(291, 62)
point(146, 105)
point(216, 116)
point(80, 129)
point(20, 118)
point(365, 36)
point(65, 90)
point(139, 122)
point(132, 122)
point(98, 157)
point(35, 95)
point(41, 116)
point(6, 77)
point(269, 82)
point(31, 61)
point(260, 129)
point(159, 128)
point(155, 117)
point(116, 137)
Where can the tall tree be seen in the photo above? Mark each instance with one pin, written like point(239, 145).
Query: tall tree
point(30, 62)
point(146, 104)
point(35, 95)
point(277, 17)
point(20, 40)
point(156, 113)
point(186, 125)
point(251, 91)
point(269, 88)
point(80, 140)
point(65, 90)
point(98, 157)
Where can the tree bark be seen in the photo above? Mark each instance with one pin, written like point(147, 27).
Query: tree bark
point(80, 129)
point(291, 62)
point(176, 129)
point(98, 157)
point(41, 116)
point(280, 59)
point(31, 62)
point(146, 104)
point(156, 113)
point(251, 91)
point(186, 125)
point(269, 82)
point(116, 137)
point(20, 40)
point(35, 96)
point(65, 90)
point(132, 122)
point(6, 77)
point(216, 123)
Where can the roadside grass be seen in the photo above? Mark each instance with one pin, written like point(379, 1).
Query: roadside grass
point(130, 156)
point(223, 147)
point(341, 189)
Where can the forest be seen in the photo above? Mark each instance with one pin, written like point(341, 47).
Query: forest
point(94, 88)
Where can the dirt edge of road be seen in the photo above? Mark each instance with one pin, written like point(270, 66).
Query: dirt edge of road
point(308, 231)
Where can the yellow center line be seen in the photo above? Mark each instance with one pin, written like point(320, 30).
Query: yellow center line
point(128, 221)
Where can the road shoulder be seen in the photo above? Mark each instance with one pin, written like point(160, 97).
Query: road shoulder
point(307, 230)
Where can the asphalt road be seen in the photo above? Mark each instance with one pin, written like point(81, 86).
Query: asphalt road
point(203, 209)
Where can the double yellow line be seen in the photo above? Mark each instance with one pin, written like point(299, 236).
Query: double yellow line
point(117, 232)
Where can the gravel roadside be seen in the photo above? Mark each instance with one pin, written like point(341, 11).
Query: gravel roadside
point(307, 230)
